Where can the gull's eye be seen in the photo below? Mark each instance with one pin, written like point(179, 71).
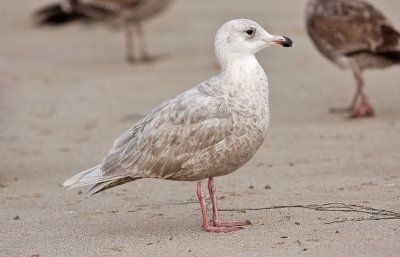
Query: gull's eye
point(250, 32)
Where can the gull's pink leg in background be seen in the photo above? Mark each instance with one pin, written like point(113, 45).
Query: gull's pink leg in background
point(364, 108)
point(130, 48)
point(144, 56)
point(216, 220)
point(206, 225)
point(360, 106)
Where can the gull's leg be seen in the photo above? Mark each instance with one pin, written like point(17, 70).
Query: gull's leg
point(207, 227)
point(364, 108)
point(359, 80)
point(216, 220)
point(144, 56)
point(347, 109)
point(130, 49)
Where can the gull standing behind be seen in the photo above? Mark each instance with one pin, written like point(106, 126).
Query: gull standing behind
point(208, 131)
point(354, 35)
point(122, 13)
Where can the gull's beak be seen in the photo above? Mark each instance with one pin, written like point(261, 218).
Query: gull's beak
point(284, 41)
point(279, 40)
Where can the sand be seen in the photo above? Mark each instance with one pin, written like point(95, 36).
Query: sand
point(66, 94)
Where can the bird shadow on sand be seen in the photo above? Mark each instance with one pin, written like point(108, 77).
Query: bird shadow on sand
point(368, 212)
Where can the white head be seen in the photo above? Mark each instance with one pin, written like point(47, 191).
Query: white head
point(244, 37)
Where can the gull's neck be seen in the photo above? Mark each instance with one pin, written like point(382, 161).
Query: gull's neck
point(240, 67)
point(246, 87)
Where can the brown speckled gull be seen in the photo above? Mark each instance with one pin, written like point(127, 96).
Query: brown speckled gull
point(354, 35)
point(208, 131)
point(120, 13)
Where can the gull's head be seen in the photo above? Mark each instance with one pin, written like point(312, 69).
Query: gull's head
point(245, 37)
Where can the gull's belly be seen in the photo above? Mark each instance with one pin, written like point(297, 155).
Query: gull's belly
point(228, 155)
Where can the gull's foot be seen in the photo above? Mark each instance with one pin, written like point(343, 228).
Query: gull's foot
point(340, 110)
point(132, 60)
point(149, 59)
point(231, 223)
point(364, 109)
point(216, 229)
point(143, 59)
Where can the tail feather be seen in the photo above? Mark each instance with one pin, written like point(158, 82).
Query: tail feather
point(88, 177)
point(393, 56)
point(97, 188)
point(55, 15)
point(94, 176)
point(108, 184)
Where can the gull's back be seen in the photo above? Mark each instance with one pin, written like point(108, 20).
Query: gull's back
point(352, 29)
point(130, 10)
point(116, 12)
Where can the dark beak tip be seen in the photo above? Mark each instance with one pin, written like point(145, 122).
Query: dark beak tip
point(287, 43)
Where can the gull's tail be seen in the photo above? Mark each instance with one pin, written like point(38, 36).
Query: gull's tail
point(391, 37)
point(393, 56)
point(87, 177)
point(56, 14)
point(94, 176)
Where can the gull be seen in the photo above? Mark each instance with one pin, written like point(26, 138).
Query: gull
point(354, 35)
point(208, 131)
point(121, 13)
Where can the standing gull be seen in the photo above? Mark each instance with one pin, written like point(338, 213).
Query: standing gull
point(122, 13)
point(356, 36)
point(208, 131)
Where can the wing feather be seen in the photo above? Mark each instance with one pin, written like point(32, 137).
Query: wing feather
point(177, 130)
point(343, 27)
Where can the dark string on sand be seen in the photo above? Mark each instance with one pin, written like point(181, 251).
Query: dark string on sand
point(375, 214)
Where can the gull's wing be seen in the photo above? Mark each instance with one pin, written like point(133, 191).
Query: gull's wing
point(161, 143)
point(114, 11)
point(132, 9)
point(346, 27)
point(116, 5)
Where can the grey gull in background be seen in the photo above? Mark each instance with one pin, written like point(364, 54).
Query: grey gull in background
point(208, 131)
point(356, 36)
point(122, 13)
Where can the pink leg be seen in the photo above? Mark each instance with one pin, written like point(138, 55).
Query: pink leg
point(364, 108)
point(207, 227)
point(130, 50)
point(144, 56)
point(216, 220)
point(359, 106)
point(349, 108)
point(359, 80)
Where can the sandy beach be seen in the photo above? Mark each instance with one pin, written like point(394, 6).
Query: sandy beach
point(321, 184)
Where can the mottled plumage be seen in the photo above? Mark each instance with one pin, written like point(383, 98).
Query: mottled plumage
point(354, 35)
point(121, 13)
point(210, 130)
